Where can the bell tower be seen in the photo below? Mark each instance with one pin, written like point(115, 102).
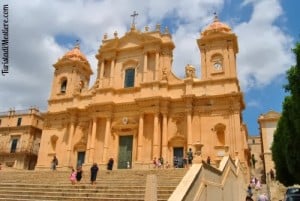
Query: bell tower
point(71, 76)
point(218, 46)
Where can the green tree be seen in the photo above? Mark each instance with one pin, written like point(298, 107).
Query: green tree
point(286, 144)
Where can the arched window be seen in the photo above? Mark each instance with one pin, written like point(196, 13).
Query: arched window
point(129, 77)
point(63, 86)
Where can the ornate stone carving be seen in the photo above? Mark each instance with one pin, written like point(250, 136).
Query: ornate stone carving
point(189, 71)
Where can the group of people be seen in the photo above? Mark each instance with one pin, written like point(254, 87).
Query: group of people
point(76, 175)
point(185, 161)
point(255, 184)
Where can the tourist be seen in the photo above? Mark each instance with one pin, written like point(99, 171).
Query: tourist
point(258, 185)
point(262, 197)
point(161, 160)
point(190, 157)
point(249, 191)
point(94, 171)
point(154, 162)
point(272, 174)
point(175, 162)
point(208, 160)
point(79, 173)
point(253, 161)
point(54, 163)
point(73, 176)
point(110, 164)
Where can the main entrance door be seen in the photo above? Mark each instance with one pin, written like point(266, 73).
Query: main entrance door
point(80, 158)
point(125, 152)
point(178, 157)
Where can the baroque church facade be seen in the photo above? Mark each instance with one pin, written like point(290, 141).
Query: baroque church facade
point(137, 109)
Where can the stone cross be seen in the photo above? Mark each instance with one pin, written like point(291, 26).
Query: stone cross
point(133, 18)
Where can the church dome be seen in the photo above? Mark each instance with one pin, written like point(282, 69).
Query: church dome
point(215, 27)
point(75, 54)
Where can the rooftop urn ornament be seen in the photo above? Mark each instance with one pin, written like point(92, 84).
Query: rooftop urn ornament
point(134, 15)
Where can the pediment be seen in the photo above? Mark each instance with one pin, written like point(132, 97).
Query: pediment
point(130, 40)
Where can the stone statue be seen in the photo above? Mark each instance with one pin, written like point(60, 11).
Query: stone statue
point(189, 71)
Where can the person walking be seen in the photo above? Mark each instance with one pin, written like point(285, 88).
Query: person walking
point(79, 174)
point(208, 160)
point(54, 163)
point(190, 157)
point(110, 164)
point(262, 197)
point(73, 176)
point(94, 171)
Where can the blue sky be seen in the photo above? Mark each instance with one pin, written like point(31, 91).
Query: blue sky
point(43, 31)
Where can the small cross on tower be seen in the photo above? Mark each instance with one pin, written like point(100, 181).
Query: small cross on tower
point(133, 18)
point(77, 43)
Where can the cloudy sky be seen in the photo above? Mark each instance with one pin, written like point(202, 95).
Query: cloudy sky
point(40, 32)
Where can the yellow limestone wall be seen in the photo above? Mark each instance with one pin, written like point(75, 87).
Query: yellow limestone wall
point(161, 112)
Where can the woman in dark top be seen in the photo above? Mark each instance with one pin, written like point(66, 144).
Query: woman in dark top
point(79, 174)
point(94, 171)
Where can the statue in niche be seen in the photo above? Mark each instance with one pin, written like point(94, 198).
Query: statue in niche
point(189, 71)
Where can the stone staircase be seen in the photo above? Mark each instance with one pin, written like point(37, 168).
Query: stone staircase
point(113, 186)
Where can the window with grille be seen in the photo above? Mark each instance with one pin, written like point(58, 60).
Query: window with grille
point(14, 144)
point(19, 121)
point(129, 77)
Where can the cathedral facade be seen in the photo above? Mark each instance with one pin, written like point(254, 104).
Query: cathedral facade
point(138, 110)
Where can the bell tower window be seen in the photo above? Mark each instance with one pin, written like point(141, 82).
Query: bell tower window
point(129, 78)
point(63, 86)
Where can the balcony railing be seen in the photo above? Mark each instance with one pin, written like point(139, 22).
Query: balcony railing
point(21, 150)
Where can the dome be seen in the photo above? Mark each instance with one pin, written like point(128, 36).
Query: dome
point(75, 54)
point(216, 26)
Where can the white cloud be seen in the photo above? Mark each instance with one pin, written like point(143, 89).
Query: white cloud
point(35, 24)
point(264, 48)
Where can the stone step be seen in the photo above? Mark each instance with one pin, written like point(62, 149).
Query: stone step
point(115, 185)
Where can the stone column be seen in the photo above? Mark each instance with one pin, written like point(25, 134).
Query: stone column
point(189, 129)
point(165, 137)
point(93, 138)
point(88, 143)
point(140, 137)
point(145, 67)
point(156, 66)
point(70, 141)
point(101, 73)
point(112, 70)
point(156, 137)
point(106, 139)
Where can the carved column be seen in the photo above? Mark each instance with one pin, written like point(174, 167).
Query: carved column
point(165, 136)
point(93, 138)
point(106, 139)
point(156, 137)
point(140, 137)
point(145, 67)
